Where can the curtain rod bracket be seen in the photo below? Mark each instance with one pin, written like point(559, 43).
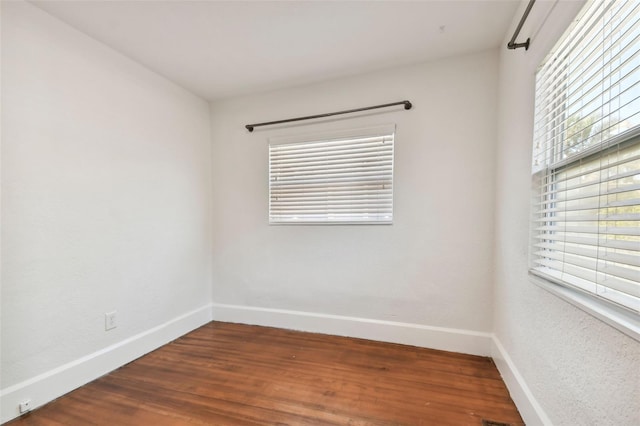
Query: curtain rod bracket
point(512, 45)
point(250, 127)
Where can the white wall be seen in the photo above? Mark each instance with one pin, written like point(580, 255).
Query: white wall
point(432, 267)
point(580, 370)
point(105, 197)
point(107, 204)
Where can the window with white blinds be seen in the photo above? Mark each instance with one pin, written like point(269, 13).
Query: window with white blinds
point(586, 156)
point(333, 180)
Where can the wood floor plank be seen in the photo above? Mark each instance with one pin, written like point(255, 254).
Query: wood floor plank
point(233, 374)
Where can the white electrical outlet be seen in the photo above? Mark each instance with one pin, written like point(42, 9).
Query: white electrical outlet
point(110, 320)
point(25, 406)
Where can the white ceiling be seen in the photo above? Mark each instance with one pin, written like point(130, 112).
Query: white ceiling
point(220, 49)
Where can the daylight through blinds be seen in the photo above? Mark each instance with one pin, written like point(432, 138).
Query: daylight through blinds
point(586, 157)
point(347, 180)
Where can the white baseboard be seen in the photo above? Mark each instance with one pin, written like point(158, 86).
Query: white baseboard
point(61, 380)
point(447, 339)
point(530, 410)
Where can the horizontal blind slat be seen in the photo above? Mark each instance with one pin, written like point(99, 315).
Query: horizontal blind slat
point(615, 271)
point(327, 159)
point(369, 185)
point(591, 240)
point(347, 178)
point(624, 286)
point(618, 230)
point(352, 169)
point(333, 153)
point(324, 196)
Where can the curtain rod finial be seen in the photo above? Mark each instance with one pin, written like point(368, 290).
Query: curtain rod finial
point(407, 105)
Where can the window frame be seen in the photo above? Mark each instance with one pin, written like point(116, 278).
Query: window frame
point(621, 317)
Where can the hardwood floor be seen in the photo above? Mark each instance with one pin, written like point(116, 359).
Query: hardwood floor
point(231, 374)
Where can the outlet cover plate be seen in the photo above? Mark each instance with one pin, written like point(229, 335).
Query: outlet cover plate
point(25, 406)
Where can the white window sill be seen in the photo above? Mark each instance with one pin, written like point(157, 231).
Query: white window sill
point(619, 318)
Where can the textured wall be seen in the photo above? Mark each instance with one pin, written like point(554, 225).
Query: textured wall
point(581, 371)
point(105, 195)
point(433, 265)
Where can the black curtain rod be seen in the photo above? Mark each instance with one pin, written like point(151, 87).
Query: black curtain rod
point(407, 105)
point(512, 44)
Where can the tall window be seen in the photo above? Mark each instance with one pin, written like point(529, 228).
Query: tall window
point(586, 156)
point(338, 179)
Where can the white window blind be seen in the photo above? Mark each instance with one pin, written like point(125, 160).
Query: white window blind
point(332, 180)
point(586, 157)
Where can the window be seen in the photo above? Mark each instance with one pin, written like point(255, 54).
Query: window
point(586, 156)
point(345, 178)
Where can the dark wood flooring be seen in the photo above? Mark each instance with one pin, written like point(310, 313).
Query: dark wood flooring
point(231, 374)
